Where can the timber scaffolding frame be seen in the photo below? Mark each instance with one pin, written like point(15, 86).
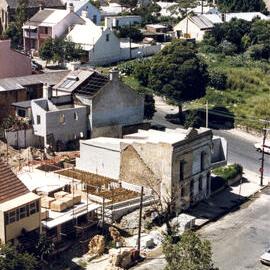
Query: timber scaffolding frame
point(105, 191)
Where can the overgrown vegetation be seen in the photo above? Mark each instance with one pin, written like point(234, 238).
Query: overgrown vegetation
point(190, 253)
point(241, 86)
point(228, 172)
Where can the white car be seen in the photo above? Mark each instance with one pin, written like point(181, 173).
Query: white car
point(259, 147)
point(265, 258)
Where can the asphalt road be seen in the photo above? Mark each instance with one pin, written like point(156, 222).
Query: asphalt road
point(239, 239)
point(240, 149)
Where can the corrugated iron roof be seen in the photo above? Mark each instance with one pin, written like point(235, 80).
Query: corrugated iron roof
point(15, 83)
point(10, 186)
point(202, 22)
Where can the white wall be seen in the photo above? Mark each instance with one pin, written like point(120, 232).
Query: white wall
point(142, 51)
point(22, 138)
point(92, 11)
point(98, 160)
point(193, 30)
point(122, 21)
point(72, 128)
point(105, 52)
point(62, 27)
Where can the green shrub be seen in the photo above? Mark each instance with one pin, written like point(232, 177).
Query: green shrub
point(218, 80)
point(228, 172)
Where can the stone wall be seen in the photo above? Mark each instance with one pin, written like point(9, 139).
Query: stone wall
point(134, 170)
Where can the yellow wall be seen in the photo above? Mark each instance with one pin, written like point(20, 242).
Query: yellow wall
point(30, 223)
point(2, 227)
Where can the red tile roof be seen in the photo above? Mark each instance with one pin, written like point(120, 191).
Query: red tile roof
point(10, 185)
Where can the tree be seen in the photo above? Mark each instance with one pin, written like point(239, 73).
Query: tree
point(14, 30)
point(130, 32)
point(190, 253)
point(44, 247)
point(178, 74)
point(148, 13)
point(128, 3)
point(46, 50)
point(241, 5)
point(11, 259)
point(182, 7)
point(60, 50)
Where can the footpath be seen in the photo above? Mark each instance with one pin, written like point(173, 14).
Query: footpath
point(227, 200)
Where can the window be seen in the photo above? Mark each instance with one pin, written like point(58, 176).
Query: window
point(191, 186)
point(11, 216)
point(23, 212)
point(181, 167)
point(33, 208)
point(38, 120)
point(46, 30)
point(107, 37)
point(95, 19)
point(202, 161)
point(76, 117)
point(62, 119)
point(200, 183)
point(21, 113)
point(182, 192)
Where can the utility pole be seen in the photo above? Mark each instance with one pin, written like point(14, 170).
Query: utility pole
point(262, 158)
point(140, 221)
point(130, 54)
point(206, 114)
point(202, 6)
point(103, 214)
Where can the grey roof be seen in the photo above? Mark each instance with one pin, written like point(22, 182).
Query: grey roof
point(73, 80)
point(39, 17)
point(15, 83)
point(22, 104)
point(85, 82)
point(202, 22)
point(37, 3)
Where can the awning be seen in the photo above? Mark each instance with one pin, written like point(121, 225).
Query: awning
point(30, 27)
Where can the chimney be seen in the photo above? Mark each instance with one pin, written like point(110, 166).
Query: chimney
point(47, 91)
point(84, 14)
point(114, 74)
point(40, 6)
point(70, 7)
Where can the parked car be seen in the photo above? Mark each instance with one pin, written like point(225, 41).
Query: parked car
point(259, 147)
point(265, 258)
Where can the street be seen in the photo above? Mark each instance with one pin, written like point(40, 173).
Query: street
point(239, 239)
point(240, 146)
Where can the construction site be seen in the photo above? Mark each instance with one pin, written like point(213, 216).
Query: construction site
point(80, 210)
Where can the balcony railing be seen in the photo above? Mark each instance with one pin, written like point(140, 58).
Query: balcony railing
point(28, 34)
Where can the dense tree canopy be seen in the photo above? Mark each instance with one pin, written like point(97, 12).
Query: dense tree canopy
point(130, 32)
point(190, 253)
point(14, 30)
point(181, 7)
point(238, 36)
point(60, 50)
point(11, 259)
point(176, 73)
point(241, 5)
